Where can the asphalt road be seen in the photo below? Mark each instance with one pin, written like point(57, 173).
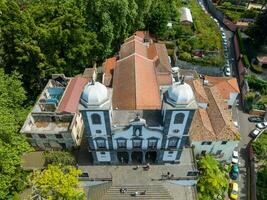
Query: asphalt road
point(245, 127)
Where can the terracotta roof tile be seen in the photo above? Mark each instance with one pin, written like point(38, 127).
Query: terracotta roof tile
point(131, 47)
point(198, 132)
point(71, 96)
point(135, 84)
point(164, 78)
point(109, 66)
point(163, 65)
point(215, 122)
point(225, 85)
point(199, 91)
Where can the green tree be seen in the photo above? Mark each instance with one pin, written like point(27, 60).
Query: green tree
point(156, 21)
point(258, 30)
point(262, 183)
point(212, 182)
point(58, 183)
point(260, 147)
point(113, 20)
point(12, 145)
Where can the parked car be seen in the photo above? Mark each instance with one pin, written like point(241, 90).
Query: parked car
point(233, 190)
point(227, 71)
point(221, 29)
point(234, 172)
point(261, 125)
point(256, 119)
point(235, 157)
point(255, 133)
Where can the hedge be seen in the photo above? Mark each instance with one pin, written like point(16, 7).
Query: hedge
point(240, 41)
point(246, 61)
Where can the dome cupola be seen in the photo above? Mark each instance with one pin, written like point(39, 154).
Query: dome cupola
point(180, 93)
point(94, 94)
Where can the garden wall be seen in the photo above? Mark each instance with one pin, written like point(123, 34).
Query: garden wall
point(207, 70)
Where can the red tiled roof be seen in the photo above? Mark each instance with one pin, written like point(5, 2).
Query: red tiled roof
point(131, 47)
point(163, 65)
point(71, 96)
point(215, 122)
point(109, 66)
point(135, 84)
point(225, 85)
point(164, 78)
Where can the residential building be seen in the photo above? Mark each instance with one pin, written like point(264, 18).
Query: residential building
point(142, 112)
point(55, 122)
point(212, 130)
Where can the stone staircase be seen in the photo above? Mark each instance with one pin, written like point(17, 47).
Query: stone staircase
point(153, 192)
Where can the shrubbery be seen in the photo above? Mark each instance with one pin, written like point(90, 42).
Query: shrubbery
point(59, 158)
point(257, 84)
point(246, 61)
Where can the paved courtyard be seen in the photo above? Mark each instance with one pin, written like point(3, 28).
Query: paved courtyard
point(128, 175)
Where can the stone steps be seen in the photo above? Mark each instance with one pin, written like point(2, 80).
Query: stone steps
point(153, 192)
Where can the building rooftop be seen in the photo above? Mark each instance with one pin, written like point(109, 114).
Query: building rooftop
point(135, 84)
point(124, 117)
point(215, 122)
point(71, 97)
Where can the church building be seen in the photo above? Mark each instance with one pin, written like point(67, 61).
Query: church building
point(142, 111)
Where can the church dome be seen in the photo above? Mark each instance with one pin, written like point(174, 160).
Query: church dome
point(180, 93)
point(94, 93)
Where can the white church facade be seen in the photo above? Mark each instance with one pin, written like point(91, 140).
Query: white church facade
point(143, 112)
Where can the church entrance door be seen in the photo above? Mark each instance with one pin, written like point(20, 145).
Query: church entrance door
point(137, 157)
point(151, 156)
point(123, 157)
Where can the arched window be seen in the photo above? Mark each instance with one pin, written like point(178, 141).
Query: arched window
point(96, 119)
point(179, 118)
point(173, 141)
point(100, 143)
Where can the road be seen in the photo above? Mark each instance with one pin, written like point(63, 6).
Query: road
point(245, 127)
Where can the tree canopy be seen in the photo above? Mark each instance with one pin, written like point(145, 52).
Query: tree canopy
point(56, 183)
point(39, 38)
point(258, 30)
point(212, 182)
point(12, 145)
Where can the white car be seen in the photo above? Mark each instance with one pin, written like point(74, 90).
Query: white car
point(227, 71)
point(262, 125)
point(235, 157)
point(255, 132)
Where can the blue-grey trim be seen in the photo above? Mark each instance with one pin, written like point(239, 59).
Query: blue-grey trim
point(135, 127)
point(189, 121)
point(86, 123)
point(100, 138)
point(179, 153)
point(113, 157)
point(167, 122)
point(121, 138)
point(177, 141)
point(87, 130)
point(152, 138)
point(108, 129)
